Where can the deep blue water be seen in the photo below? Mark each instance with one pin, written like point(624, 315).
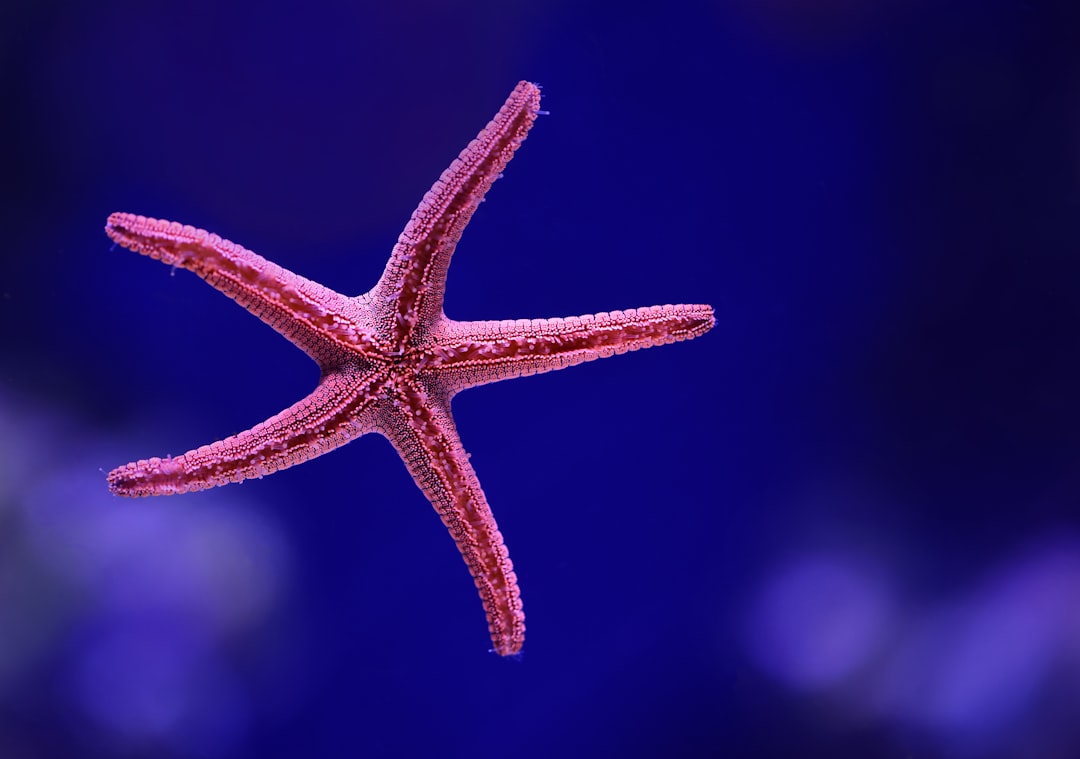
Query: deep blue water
point(843, 523)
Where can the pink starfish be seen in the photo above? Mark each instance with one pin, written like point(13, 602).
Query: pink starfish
point(391, 360)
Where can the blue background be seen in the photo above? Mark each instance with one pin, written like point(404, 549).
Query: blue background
point(843, 523)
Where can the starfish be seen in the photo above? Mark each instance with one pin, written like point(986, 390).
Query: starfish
point(391, 360)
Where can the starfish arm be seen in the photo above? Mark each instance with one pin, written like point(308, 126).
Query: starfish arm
point(422, 430)
point(339, 410)
point(415, 276)
point(468, 354)
point(308, 314)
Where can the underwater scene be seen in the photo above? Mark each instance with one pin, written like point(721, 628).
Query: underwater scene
point(824, 500)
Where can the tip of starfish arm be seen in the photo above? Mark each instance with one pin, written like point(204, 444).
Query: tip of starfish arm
point(120, 222)
point(153, 476)
point(540, 91)
point(123, 483)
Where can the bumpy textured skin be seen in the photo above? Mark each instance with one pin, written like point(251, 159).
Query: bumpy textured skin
point(391, 360)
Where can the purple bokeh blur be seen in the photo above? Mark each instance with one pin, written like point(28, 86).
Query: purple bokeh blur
point(973, 669)
point(844, 523)
point(134, 617)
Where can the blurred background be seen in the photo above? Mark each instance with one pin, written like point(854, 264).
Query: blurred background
point(844, 523)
